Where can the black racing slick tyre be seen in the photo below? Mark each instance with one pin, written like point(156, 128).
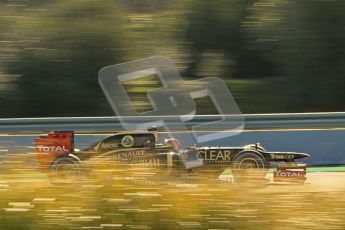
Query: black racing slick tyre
point(249, 167)
point(65, 170)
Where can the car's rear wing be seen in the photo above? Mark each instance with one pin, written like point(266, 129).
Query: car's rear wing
point(52, 146)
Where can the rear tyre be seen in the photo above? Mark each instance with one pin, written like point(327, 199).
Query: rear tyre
point(65, 170)
point(250, 167)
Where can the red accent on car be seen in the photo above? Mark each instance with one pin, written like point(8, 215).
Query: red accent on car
point(52, 146)
point(289, 175)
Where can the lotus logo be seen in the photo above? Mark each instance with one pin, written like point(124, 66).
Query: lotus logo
point(127, 141)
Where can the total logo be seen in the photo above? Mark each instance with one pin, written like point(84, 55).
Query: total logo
point(290, 174)
point(42, 148)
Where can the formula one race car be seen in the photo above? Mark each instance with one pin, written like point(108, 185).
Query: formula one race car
point(56, 154)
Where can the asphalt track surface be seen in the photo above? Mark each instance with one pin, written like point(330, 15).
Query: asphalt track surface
point(110, 198)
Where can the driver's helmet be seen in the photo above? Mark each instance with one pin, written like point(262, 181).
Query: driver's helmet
point(173, 143)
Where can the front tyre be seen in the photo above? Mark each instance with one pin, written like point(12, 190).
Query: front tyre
point(250, 167)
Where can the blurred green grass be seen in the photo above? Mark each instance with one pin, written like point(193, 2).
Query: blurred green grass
point(131, 197)
point(120, 203)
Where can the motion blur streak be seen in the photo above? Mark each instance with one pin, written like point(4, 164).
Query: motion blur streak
point(132, 199)
point(271, 53)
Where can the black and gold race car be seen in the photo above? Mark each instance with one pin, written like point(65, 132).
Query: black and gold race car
point(56, 153)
